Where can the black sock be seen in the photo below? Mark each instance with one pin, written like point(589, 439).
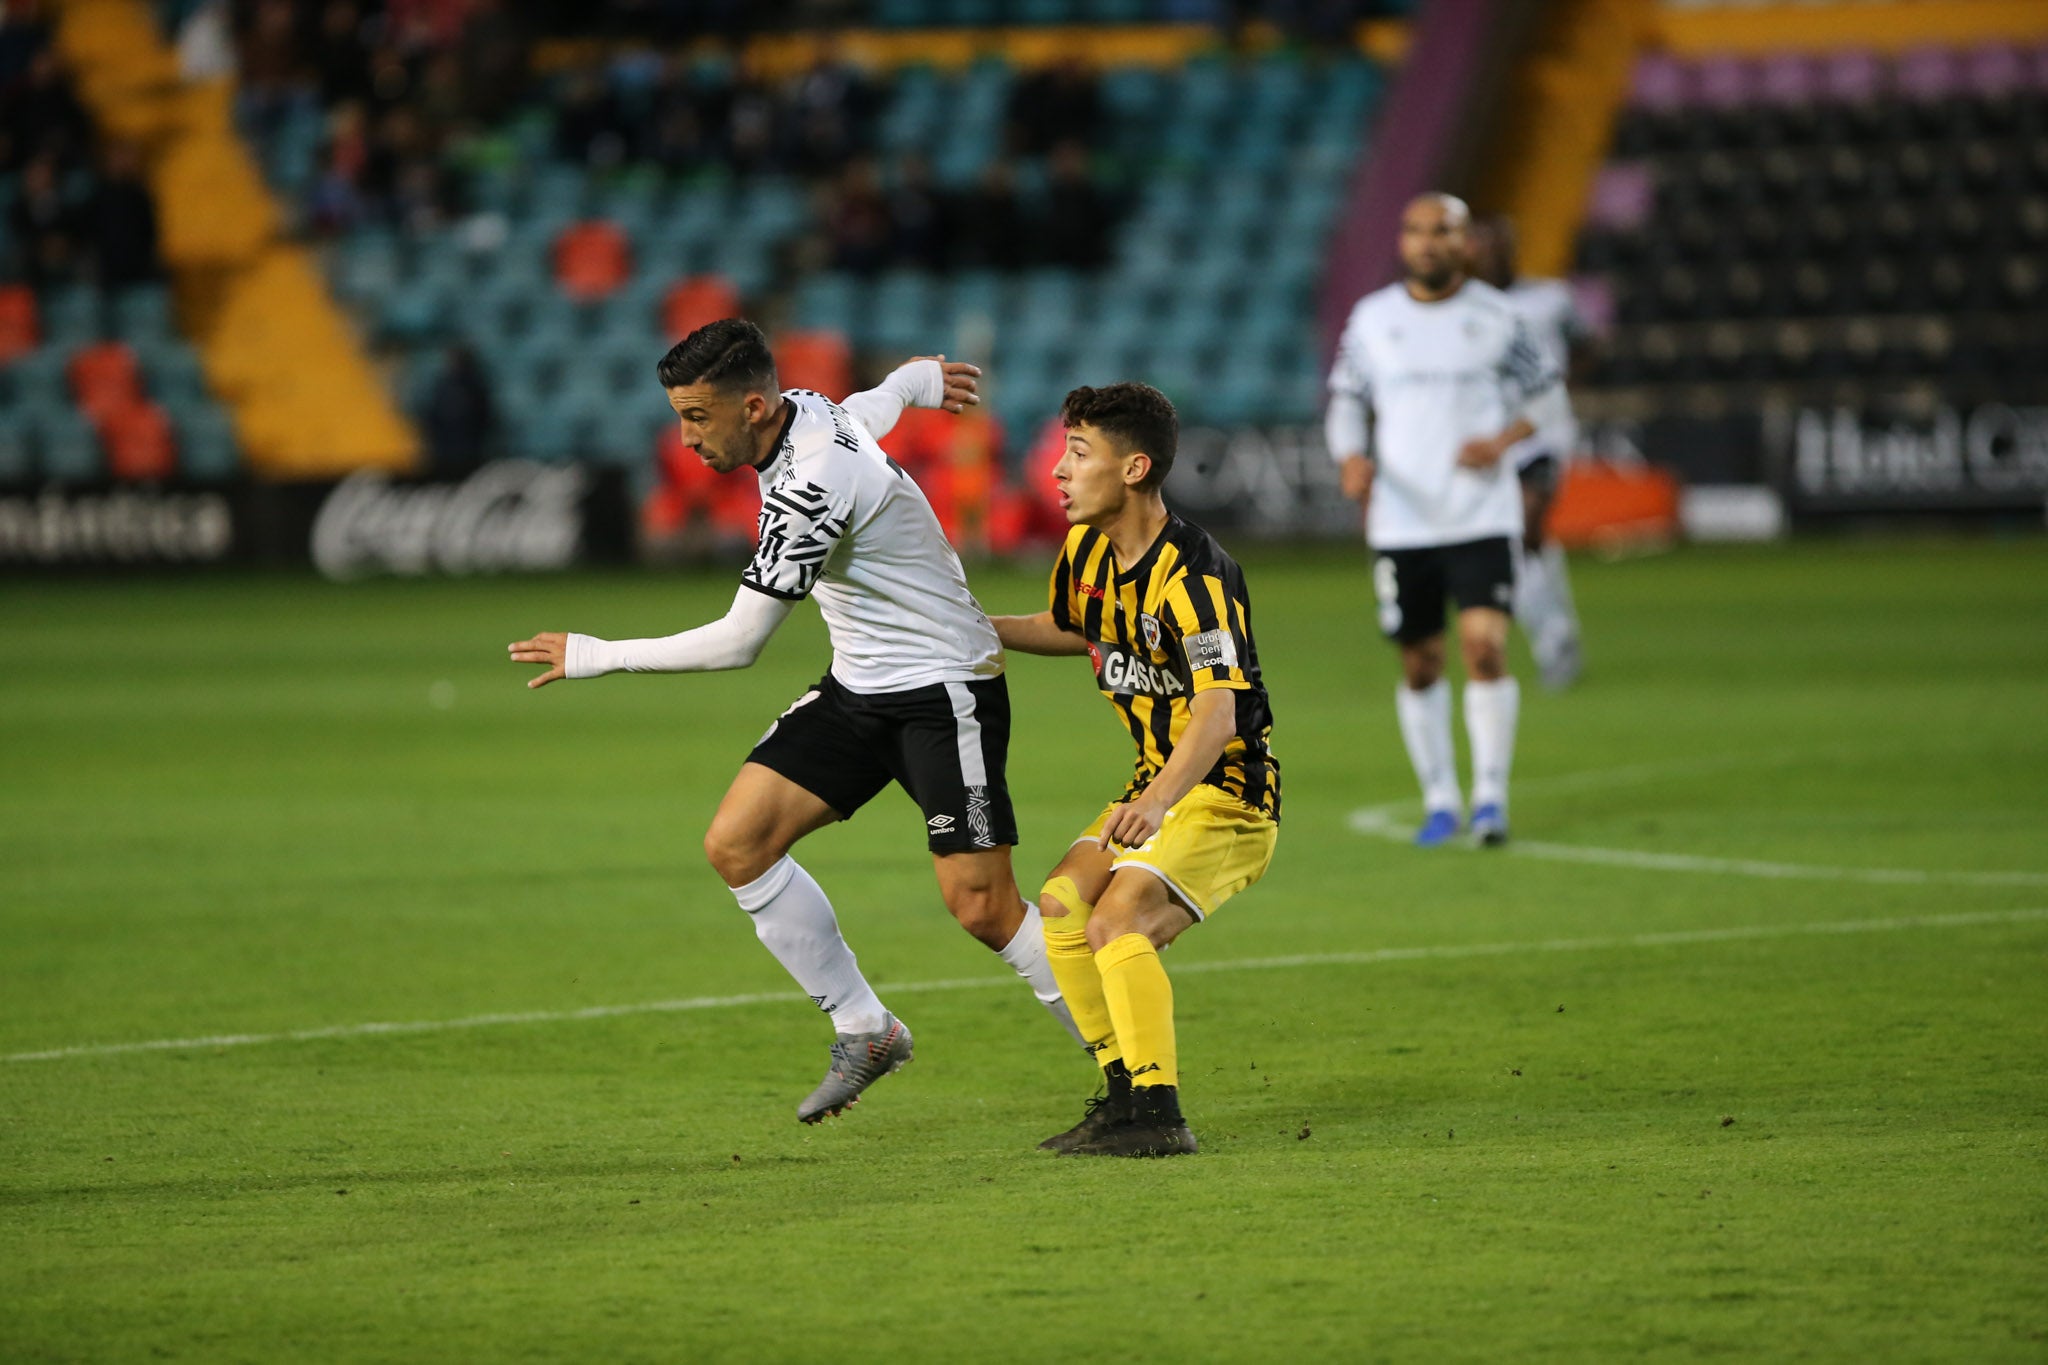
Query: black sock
point(1116, 1078)
point(1157, 1104)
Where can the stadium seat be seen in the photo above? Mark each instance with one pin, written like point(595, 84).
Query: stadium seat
point(592, 258)
point(20, 330)
point(139, 442)
point(104, 376)
point(815, 360)
point(70, 450)
point(691, 303)
point(17, 448)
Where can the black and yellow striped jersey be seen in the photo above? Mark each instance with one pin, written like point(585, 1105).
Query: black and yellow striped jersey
point(1175, 623)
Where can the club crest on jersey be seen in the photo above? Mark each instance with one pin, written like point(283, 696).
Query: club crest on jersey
point(1121, 673)
point(1148, 626)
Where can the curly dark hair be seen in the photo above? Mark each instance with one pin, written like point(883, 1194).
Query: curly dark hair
point(1137, 417)
point(731, 353)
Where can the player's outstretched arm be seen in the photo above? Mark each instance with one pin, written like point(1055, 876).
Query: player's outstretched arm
point(926, 381)
point(1038, 634)
point(732, 641)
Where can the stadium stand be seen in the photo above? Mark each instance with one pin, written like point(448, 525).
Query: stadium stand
point(1058, 222)
point(95, 379)
point(1829, 225)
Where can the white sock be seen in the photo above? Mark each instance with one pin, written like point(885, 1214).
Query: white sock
point(1426, 730)
point(1490, 712)
point(1543, 604)
point(1557, 584)
point(1026, 955)
point(795, 922)
point(1532, 593)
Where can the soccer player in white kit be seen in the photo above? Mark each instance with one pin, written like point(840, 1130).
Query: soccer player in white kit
point(915, 694)
point(1451, 381)
point(1543, 589)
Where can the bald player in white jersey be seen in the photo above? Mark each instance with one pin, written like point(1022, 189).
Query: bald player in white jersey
point(1543, 590)
point(1436, 380)
point(915, 694)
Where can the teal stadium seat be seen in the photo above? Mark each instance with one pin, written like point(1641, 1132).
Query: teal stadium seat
point(72, 315)
point(142, 314)
point(206, 445)
point(17, 453)
point(70, 449)
point(171, 370)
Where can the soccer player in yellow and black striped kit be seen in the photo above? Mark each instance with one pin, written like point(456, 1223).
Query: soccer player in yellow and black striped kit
point(1163, 615)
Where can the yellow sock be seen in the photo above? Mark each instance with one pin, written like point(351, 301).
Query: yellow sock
point(1073, 967)
point(1140, 1000)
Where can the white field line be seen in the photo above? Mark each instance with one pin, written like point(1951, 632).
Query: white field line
point(1673, 938)
point(1382, 822)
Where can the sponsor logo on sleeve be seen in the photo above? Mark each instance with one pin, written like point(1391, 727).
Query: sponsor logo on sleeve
point(1212, 649)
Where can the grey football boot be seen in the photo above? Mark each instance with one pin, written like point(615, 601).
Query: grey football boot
point(858, 1061)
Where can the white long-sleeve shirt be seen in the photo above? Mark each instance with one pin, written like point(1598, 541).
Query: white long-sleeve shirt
point(842, 523)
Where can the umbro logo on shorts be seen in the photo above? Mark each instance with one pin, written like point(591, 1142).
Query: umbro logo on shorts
point(940, 823)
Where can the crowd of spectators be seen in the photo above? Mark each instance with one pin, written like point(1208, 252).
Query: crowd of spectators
point(395, 84)
point(75, 210)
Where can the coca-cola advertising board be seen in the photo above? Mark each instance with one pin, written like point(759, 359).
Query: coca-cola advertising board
point(509, 516)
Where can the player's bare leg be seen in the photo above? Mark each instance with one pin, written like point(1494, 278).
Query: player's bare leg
point(759, 821)
point(1423, 705)
point(1134, 918)
point(1066, 904)
point(981, 892)
point(1492, 704)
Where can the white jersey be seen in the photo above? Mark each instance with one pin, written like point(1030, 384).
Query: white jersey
point(1436, 375)
point(1555, 325)
point(842, 523)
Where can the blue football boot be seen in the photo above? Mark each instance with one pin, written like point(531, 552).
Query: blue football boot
point(1440, 828)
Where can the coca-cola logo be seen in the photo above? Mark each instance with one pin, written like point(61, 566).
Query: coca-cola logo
point(511, 515)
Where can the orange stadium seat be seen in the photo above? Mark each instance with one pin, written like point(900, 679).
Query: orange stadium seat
point(815, 360)
point(592, 258)
point(691, 303)
point(104, 378)
point(140, 443)
point(19, 328)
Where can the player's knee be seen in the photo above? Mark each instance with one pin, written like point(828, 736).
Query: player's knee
point(985, 912)
point(1421, 666)
point(1486, 660)
point(1060, 899)
point(735, 855)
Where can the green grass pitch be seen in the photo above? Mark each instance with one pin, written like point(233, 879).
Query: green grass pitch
point(1739, 1051)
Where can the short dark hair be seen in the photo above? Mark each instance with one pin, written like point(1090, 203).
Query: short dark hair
point(1136, 416)
point(731, 353)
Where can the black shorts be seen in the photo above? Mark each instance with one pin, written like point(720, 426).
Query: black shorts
point(1541, 474)
point(1411, 585)
point(947, 744)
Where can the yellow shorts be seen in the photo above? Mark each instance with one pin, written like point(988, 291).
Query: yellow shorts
point(1210, 847)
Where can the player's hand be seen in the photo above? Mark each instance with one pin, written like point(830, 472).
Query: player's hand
point(1132, 825)
point(1354, 476)
point(1481, 453)
point(550, 647)
point(963, 383)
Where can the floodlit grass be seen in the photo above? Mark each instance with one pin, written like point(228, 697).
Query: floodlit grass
point(1500, 1106)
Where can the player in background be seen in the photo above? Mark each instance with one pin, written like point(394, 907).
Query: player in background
point(1543, 590)
point(1164, 616)
point(1447, 375)
point(915, 694)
